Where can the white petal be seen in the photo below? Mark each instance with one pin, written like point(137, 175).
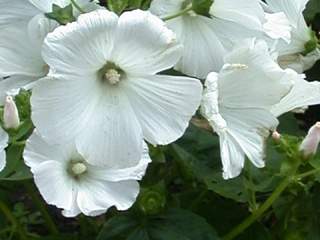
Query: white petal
point(303, 94)
point(248, 13)
point(114, 175)
point(111, 134)
point(81, 47)
point(292, 8)
point(210, 104)
point(96, 197)
point(164, 105)
point(19, 55)
point(3, 144)
point(278, 26)
point(163, 8)
point(15, 12)
point(249, 68)
point(144, 45)
point(249, 128)
point(12, 85)
point(203, 51)
point(38, 151)
point(232, 156)
point(55, 186)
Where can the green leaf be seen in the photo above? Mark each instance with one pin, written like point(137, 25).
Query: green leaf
point(175, 224)
point(202, 7)
point(61, 15)
point(118, 6)
point(312, 9)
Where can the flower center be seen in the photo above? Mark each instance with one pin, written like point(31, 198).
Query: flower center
point(111, 74)
point(78, 168)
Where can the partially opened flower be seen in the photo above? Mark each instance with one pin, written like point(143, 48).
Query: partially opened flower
point(301, 53)
point(237, 100)
point(103, 88)
point(206, 39)
point(3, 144)
point(65, 179)
point(23, 28)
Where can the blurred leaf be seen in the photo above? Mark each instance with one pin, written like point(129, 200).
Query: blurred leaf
point(175, 224)
point(202, 7)
point(312, 9)
point(117, 6)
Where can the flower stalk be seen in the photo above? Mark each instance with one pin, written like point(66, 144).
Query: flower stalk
point(77, 6)
point(178, 14)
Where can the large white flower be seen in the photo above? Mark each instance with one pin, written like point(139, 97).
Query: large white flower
point(103, 89)
point(23, 28)
point(205, 39)
point(237, 103)
point(65, 179)
point(294, 54)
point(3, 144)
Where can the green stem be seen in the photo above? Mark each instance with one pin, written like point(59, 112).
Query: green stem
point(307, 174)
point(260, 211)
point(77, 6)
point(6, 211)
point(42, 208)
point(178, 14)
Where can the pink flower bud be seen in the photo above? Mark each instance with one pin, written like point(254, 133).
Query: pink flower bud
point(276, 136)
point(10, 115)
point(310, 143)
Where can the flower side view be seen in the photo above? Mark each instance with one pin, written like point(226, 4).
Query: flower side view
point(65, 179)
point(23, 28)
point(103, 89)
point(237, 103)
point(302, 52)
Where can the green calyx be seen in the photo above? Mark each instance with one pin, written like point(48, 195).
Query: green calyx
point(312, 44)
point(61, 15)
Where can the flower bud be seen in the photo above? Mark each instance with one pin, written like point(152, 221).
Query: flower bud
point(152, 201)
point(310, 143)
point(276, 136)
point(11, 118)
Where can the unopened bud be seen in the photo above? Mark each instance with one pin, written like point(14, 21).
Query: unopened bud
point(11, 118)
point(276, 136)
point(310, 143)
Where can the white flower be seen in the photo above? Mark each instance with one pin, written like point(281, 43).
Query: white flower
point(4, 138)
point(237, 100)
point(302, 95)
point(10, 114)
point(103, 88)
point(294, 54)
point(65, 179)
point(23, 27)
point(205, 39)
point(310, 143)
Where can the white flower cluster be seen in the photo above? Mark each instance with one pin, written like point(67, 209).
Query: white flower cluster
point(99, 92)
